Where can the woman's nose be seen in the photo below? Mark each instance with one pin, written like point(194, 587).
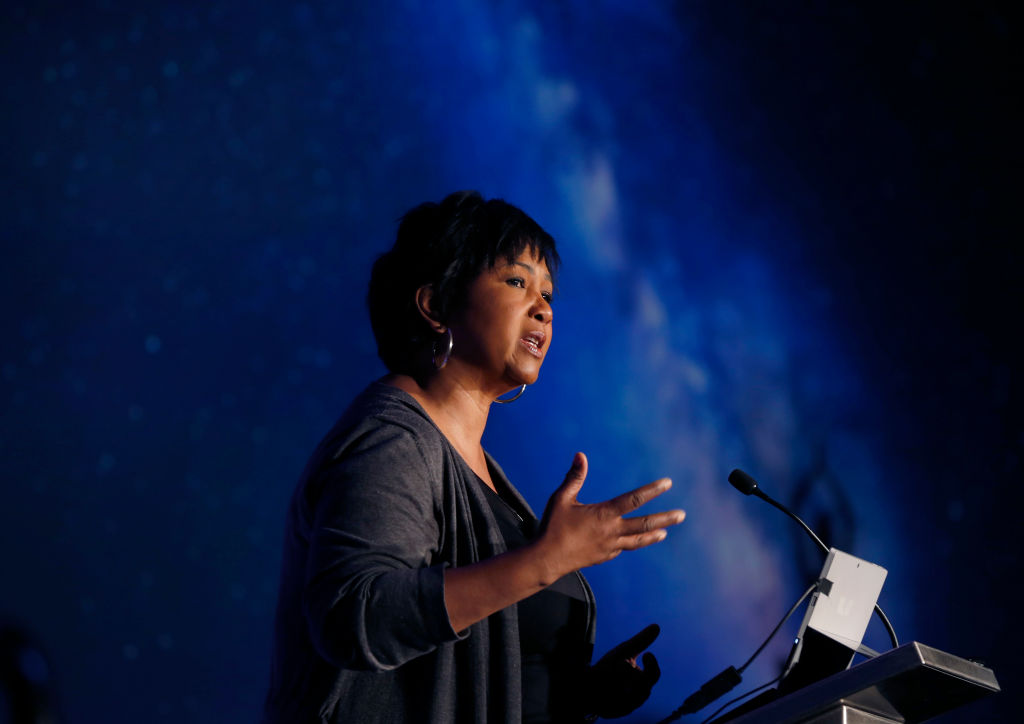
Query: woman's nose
point(542, 310)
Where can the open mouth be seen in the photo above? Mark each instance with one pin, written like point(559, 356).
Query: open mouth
point(534, 343)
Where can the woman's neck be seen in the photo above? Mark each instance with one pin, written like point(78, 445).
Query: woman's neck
point(459, 411)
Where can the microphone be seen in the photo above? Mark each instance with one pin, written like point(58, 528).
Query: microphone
point(743, 482)
point(748, 486)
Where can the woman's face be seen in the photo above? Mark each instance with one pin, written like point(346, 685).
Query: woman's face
point(504, 331)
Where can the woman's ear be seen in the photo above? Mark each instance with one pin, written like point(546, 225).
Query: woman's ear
point(424, 303)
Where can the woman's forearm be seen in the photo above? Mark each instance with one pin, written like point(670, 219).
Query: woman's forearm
point(474, 592)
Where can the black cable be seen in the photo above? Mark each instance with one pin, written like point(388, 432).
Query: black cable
point(741, 696)
point(888, 626)
point(729, 678)
point(775, 630)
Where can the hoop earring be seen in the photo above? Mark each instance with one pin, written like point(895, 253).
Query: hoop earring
point(513, 398)
point(447, 352)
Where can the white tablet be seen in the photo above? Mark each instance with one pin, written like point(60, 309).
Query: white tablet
point(836, 619)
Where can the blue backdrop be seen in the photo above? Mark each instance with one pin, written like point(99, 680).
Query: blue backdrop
point(789, 243)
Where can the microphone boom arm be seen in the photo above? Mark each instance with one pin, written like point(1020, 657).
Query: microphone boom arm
point(748, 486)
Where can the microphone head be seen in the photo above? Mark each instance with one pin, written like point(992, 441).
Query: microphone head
point(742, 482)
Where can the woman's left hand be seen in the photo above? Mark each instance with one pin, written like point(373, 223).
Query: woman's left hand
point(615, 685)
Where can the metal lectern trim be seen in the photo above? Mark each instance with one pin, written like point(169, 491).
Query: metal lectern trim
point(912, 683)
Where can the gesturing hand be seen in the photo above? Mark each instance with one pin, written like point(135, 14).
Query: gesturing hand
point(575, 535)
point(615, 685)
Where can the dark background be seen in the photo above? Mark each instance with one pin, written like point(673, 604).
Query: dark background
point(791, 240)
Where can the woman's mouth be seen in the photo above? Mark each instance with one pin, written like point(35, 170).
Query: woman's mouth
point(534, 343)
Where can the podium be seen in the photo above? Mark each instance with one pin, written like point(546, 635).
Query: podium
point(912, 683)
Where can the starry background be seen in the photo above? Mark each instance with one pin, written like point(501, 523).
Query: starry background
point(791, 241)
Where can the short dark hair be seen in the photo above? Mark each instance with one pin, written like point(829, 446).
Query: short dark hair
point(445, 245)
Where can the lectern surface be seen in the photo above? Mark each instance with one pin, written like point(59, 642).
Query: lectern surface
point(912, 683)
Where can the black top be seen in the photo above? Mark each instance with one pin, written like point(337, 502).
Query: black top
point(361, 632)
point(552, 629)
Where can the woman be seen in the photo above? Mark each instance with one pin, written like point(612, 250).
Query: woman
point(417, 585)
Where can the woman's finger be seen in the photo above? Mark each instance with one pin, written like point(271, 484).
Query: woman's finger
point(628, 502)
point(653, 522)
point(570, 487)
point(652, 671)
point(635, 542)
point(631, 647)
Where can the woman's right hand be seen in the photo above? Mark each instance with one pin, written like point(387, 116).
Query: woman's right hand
point(575, 535)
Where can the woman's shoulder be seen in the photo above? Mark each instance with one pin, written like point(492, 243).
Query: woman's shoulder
point(383, 416)
point(383, 405)
point(382, 440)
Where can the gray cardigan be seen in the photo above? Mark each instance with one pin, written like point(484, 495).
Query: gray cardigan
point(361, 632)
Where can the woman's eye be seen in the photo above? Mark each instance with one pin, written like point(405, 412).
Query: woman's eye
point(547, 296)
point(516, 282)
